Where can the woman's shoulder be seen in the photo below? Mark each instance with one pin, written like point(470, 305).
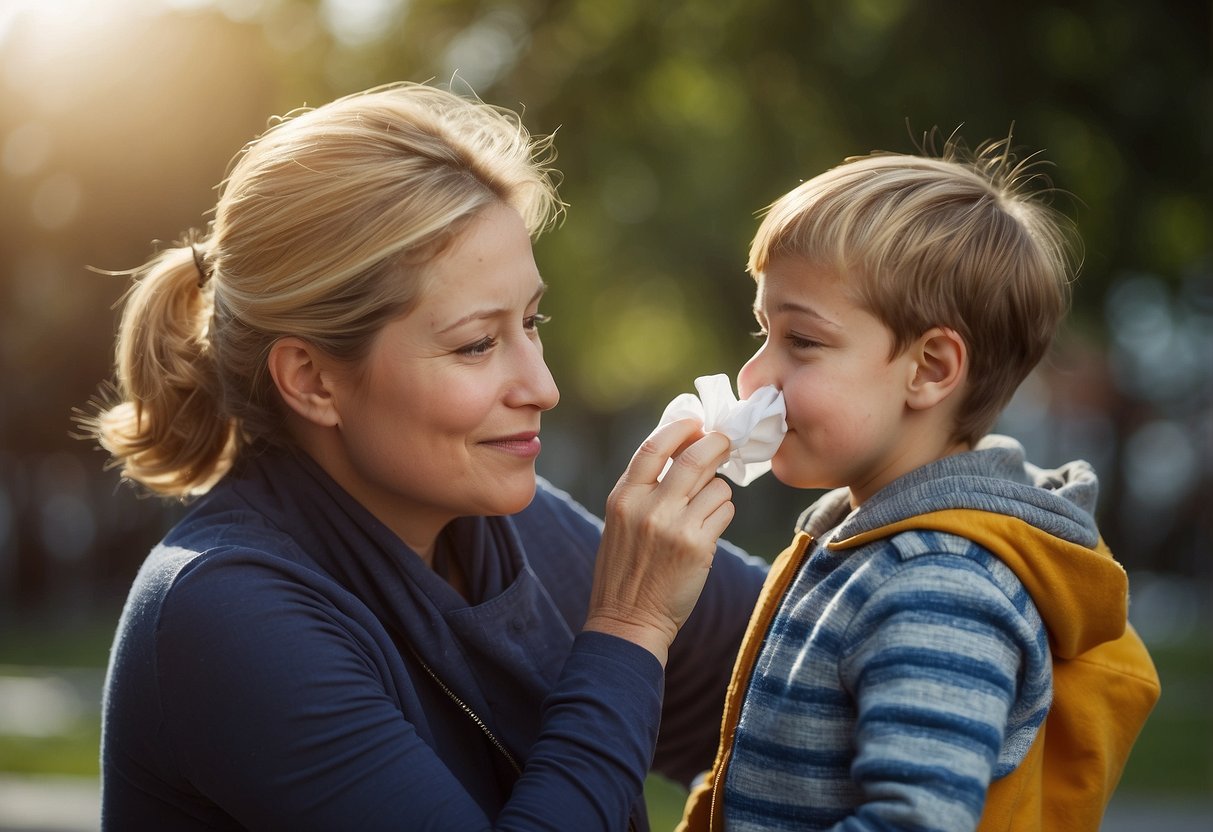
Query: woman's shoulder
point(554, 518)
point(223, 555)
point(555, 503)
point(206, 583)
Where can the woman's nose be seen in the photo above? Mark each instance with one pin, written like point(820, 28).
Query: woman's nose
point(534, 385)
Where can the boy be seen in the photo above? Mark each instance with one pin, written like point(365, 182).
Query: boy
point(944, 645)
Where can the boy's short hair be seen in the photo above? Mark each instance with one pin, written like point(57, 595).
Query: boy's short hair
point(953, 240)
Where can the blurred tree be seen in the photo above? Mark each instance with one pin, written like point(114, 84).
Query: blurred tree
point(112, 132)
point(676, 122)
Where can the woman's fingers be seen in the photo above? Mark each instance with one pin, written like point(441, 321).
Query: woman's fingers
point(663, 443)
point(721, 516)
point(696, 466)
point(708, 501)
point(659, 537)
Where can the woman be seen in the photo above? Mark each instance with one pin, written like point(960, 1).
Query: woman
point(374, 618)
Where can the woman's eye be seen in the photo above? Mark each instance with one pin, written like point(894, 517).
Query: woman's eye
point(532, 321)
point(759, 334)
point(479, 348)
point(485, 344)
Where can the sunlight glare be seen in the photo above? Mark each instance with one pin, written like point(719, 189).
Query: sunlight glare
point(41, 41)
point(355, 22)
point(26, 149)
point(57, 201)
point(187, 5)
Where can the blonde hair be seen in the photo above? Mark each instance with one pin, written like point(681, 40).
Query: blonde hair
point(321, 231)
point(954, 241)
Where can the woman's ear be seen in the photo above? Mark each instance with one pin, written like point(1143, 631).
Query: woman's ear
point(940, 364)
point(296, 367)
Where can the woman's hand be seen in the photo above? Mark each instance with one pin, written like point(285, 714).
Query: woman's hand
point(660, 537)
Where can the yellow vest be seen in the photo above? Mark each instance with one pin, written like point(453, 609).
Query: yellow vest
point(1104, 683)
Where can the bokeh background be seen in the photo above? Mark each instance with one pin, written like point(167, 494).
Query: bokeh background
point(676, 123)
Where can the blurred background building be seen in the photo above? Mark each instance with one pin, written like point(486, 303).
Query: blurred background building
point(676, 123)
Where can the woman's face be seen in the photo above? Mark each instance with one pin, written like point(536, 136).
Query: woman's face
point(442, 420)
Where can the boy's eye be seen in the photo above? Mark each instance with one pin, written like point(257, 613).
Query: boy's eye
point(478, 348)
point(799, 342)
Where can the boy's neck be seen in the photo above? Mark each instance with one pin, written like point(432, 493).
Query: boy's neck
point(916, 451)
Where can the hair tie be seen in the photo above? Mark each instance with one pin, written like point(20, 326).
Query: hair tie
point(204, 274)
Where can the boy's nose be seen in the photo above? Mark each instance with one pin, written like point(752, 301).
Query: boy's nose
point(753, 375)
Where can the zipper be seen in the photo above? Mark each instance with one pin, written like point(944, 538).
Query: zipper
point(492, 738)
point(401, 639)
point(463, 706)
point(779, 592)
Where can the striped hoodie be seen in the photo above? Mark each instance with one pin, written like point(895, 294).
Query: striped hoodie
point(952, 655)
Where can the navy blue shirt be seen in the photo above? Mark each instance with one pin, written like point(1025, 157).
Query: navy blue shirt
point(285, 661)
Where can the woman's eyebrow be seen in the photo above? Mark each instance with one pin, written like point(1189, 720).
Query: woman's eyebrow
point(481, 314)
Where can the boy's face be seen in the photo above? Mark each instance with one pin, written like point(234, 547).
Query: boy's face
point(846, 400)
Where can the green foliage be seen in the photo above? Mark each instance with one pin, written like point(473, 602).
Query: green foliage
point(665, 800)
point(1174, 754)
point(76, 753)
point(678, 121)
point(37, 642)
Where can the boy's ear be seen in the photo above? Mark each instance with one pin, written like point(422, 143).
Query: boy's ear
point(296, 367)
point(940, 363)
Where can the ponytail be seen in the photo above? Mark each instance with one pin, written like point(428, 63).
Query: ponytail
point(167, 429)
point(321, 231)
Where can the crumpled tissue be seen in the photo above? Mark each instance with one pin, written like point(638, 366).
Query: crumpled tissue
point(755, 425)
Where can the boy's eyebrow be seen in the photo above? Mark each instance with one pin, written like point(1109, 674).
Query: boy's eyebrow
point(800, 309)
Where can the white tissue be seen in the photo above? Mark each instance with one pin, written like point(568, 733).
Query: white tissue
point(756, 425)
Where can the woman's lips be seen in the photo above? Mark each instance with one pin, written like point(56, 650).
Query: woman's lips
point(524, 445)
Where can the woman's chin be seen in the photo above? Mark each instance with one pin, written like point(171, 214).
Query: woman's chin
point(513, 496)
